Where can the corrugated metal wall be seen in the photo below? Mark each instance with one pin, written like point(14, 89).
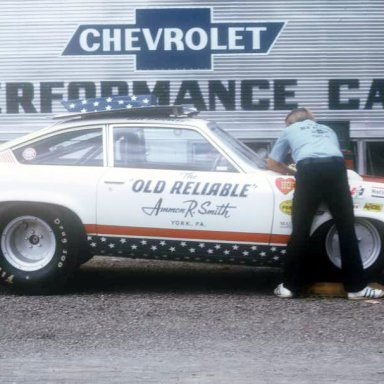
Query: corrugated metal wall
point(322, 40)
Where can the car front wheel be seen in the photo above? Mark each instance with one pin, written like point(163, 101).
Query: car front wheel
point(37, 247)
point(369, 234)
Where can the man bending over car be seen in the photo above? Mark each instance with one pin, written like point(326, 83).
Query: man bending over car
point(321, 177)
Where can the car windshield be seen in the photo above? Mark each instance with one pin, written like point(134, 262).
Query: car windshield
point(240, 148)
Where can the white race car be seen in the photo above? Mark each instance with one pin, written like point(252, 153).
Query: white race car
point(155, 183)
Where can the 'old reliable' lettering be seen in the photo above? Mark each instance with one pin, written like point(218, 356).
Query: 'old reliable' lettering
point(192, 188)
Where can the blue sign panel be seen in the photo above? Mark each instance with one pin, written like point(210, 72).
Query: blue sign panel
point(174, 39)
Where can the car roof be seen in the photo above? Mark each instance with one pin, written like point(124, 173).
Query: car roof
point(171, 115)
point(196, 122)
point(151, 111)
point(163, 113)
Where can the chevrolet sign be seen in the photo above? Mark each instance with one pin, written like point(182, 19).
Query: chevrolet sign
point(174, 39)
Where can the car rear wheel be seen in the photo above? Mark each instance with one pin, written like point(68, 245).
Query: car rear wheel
point(37, 247)
point(369, 234)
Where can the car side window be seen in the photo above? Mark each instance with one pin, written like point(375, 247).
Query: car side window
point(166, 148)
point(76, 147)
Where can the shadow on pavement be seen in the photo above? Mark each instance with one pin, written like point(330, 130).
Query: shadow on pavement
point(103, 274)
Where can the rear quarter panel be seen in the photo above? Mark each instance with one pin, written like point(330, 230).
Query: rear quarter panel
point(71, 187)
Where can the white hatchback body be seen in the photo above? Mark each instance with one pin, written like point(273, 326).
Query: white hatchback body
point(158, 188)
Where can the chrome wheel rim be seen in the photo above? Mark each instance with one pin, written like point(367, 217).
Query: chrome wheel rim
point(368, 238)
point(28, 243)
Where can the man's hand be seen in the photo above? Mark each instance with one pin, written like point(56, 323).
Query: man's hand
point(279, 167)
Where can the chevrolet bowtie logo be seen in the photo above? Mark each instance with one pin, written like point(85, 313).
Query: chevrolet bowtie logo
point(174, 39)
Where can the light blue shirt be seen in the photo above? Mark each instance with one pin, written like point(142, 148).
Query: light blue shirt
point(306, 139)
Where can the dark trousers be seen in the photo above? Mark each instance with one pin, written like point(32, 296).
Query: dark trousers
point(323, 181)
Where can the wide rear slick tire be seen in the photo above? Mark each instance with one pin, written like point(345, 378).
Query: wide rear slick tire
point(38, 247)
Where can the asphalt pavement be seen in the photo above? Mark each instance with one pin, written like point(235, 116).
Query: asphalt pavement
point(130, 321)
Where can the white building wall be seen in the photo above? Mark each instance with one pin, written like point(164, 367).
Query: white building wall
point(322, 42)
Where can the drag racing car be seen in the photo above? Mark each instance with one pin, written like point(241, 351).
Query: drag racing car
point(122, 177)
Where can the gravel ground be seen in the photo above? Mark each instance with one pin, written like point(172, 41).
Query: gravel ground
point(129, 321)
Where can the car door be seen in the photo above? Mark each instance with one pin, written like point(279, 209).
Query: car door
point(173, 185)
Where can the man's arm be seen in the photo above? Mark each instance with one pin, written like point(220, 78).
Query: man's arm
point(279, 167)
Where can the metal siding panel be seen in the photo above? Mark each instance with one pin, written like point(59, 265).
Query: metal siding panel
point(322, 40)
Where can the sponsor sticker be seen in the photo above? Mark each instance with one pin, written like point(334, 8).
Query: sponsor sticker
point(29, 154)
point(285, 185)
point(373, 207)
point(377, 192)
point(358, 192)
point(286, 207)
point(286, 224)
